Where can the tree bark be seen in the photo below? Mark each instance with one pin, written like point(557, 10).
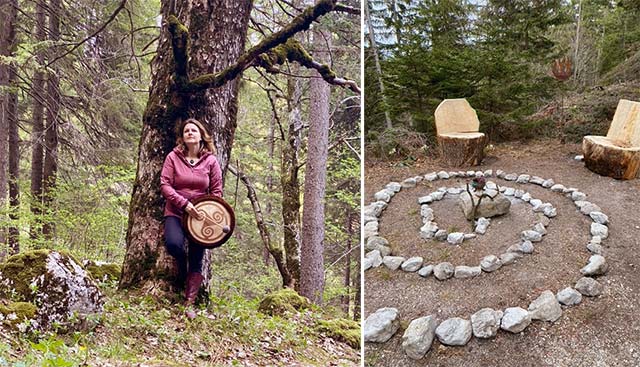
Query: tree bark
point(462, 150)
point(217, 35)
point(346, 299)
point(37, 132)
point(603, 157)
point(312, 248)
point(268, 207)
point(50, 169)
point(8, 104)
point(289, 181)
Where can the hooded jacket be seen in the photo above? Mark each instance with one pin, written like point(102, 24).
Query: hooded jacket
point(181, 182)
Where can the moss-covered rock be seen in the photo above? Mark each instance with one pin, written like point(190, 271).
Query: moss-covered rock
point(62, 292)
point(347, 331)
point(278, 302)
point(103, 271)
point(17, 312)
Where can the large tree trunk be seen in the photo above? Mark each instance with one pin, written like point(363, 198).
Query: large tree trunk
point(217, 34)
point(604, 157)
point(8, 117)
point(312, 248)
point(50, 170)
point(462, 149)
point(37, 132)
point(290, 183)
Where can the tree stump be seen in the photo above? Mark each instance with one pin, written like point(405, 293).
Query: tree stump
point(462, 149)
point(611, 158)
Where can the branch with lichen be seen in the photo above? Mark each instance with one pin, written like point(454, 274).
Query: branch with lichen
point(260, 54)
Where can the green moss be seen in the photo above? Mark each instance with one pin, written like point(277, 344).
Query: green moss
point(283, 300)
point(103, 272)
point(343, 330)
point(22, 310)
point(20, 270)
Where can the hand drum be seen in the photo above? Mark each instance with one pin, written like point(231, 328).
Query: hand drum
point(216, 227)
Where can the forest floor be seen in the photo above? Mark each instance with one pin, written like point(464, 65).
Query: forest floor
point(601, 331)
point(144, 332)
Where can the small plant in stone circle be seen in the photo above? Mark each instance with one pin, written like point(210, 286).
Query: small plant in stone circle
point(478, 184)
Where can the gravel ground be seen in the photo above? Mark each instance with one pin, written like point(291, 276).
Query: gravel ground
point(602, 331)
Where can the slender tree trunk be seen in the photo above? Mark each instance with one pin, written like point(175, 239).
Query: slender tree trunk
point(290, 182)
point(376, 59)
point(8, 118)
point(14, 167)
point(217, 35)
point(312, 248)
point(37, 132)
point(50, 170)
point(346, 299)
point(268, 208)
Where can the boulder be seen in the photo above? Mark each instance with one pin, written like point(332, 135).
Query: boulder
point(488, 208)
point(515, 319)
point(485, 323)
point(569, 297)
point(381, 325)
point(589, 287)
point(63, 293)
point(545, 307)
point(454, 331)
point(418, 337)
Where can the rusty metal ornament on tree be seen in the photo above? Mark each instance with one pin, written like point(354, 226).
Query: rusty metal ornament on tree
point(216, 227)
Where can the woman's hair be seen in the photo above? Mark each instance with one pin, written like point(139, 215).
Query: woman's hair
point(205, 144)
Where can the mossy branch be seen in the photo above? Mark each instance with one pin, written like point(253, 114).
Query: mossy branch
point(180, 45)
point(254, 56)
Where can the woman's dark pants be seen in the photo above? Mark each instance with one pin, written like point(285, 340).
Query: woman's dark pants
point(174, 239)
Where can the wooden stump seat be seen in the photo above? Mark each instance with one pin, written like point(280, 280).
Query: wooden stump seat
point(457, 127)
point(616, 155)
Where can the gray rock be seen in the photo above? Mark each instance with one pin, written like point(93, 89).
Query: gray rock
point(412, 264)
point(393, 262)
point(509, 257)
point(490, 185)
point(418, 337)
point(600, 230)
point(462, 272)
point(515, 319)
point(488, 173)
point(375, 257)
point(532, 236)
point(511, 177)
point(579, 158)
point(525, 247)
point(370, 229)
point(548, 183)
point(441, 235)
point(597, 266)
point(594, 248)
point(485, 323)
point(596, 239)
point(367, 264)
point(523, 179)
point(569, 297)
point(426, 213)
point(488, 208)
point(382, 195)
point(453, 174)
point(545, 307)
point(394, 186)
point(378, 243)
point(428, 230)
point(541, 208)
point(409, 182)
point(455, 238)
point(536, 180)
point(589, 287)
point(443, 175)
point(454, 190)
point(578, 196)
point(587, 207)
point(539, 227)
point(535, 203)
point(490, 263)
point(381, 325)
point(438, 195)
point(558, 188)
point(367, 218)
point(481, 225)
point(419, 178)
point(550, 211)
point(599, 217)
point(454, 331)
point(500, 173)
point(374, 209)
point(443, 271)
point(518, 193)
point(425, 271)
point(468, 236)
point(471, 173)
point(569, 190)
point(431, 176)
point(425, 199)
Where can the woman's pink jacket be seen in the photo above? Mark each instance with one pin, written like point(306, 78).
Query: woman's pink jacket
point(181, 182)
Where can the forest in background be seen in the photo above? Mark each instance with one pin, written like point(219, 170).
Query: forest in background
point(75, 82)
point(498, 55)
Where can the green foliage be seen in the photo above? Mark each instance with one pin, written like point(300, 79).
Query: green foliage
point(282, 301)
point(344, 330)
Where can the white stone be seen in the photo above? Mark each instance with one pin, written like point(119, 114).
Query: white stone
point(539, 227)
point(536, 180)
point(409, 182)
point(523, 179)
point(509, 257)
point(418, 337)
point(548, 183)
point(426, 213)
point(594, 248)
point(425, 199)
point(381, 325)
point(600, 230)
point(578, 196)
point(443, 271)
point(374, 209)
point(490, 263)
point(579, 158)
point(412, 264)
point(367, 264)
point(481, 225)
point(428, 230)
point(455, 238)
point(558, 188)
point(599, 217)
point(441, 235)
point(378, 243)
point(515, 319)
point(525, 247)
point(462, 271)
point(375, 257)
point(485, 323)
point(511, 177)
point(597, 266)
point(550, 211)
point(393, 262)
point(454, 331)
point(535, 202)
point(569, 297)
point(588, 287)
point(545, 307)
point(500, 173)
point(431, 176)
point(394, 186)
point(454, 190)
point(438, 195)
point(488, 173)
point(443, 175)
point(532, 236)
point(382, 195)
point(425, 271)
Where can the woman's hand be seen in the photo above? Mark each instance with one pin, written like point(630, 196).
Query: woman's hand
point(194, 212)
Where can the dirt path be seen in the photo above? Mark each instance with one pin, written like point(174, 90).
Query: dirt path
point(602, 331)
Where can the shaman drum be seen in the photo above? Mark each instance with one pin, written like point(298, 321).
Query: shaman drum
point(217, 225)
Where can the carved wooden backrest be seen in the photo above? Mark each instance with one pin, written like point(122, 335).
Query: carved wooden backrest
point(625, 126)
point(456, 116)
